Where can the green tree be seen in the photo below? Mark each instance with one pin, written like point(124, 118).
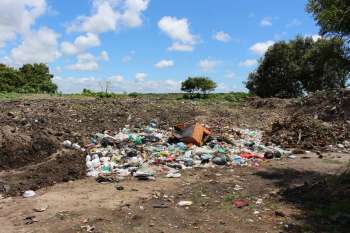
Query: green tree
point(326, 65)
point(38, 78)
point(290, 69)
point(190, 86)
point(333, 16)
point(194, 85)
point(206, 85)
point(10, 79)
point(28, 79)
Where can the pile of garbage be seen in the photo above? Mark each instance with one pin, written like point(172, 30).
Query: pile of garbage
point(146, 152)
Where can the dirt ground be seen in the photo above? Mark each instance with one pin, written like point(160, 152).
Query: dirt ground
point(288, 195)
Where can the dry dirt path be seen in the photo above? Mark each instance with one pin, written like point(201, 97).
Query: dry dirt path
point(87, 206)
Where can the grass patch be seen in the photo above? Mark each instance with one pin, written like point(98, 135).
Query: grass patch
point(227, 98)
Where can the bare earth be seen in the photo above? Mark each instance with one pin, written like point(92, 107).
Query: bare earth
point(78, 204)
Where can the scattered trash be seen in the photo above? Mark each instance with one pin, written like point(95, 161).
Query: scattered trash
point(259, 201)
point(28, 193)
point(240, 203)
point(173, 175)
point(192, 134)
point(145, 153)
point(185, 203)
point(67, 144)
point(30, 220)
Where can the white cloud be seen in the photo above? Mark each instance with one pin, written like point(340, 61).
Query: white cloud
point(248, 63)
point(132, 15)
point(117, 78)
point(37, 47)
point(316, 37)
point(179, 31)
point(68, 48)
point(222, 88)
point(262, 47)
point(104, 56)
point(222, 36)
point(119, 85)
point(109, 15)
point(103, 19)
point(207, 64)
point(17, 17)
point(85, 62)
point(176, 46)
point(80, 44)
point(266, 22)
point(140, 77)
point(164, 64)
point(88, 41)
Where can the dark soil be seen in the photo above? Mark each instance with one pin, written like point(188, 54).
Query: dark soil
point(18, 148)
point(60, 167)
point(314, 122)
point(307, 133)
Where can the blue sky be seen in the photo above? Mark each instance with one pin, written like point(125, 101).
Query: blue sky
point(147, 45)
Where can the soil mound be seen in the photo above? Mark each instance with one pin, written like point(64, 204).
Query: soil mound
point(60, 167)
point(314, 122)
point(327, 106)
point(18, 149)
point(300, 131)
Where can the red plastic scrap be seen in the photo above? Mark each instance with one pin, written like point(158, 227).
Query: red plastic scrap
point(249, 156)
point(240, 203)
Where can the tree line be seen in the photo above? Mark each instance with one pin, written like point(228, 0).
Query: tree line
point(30, 78)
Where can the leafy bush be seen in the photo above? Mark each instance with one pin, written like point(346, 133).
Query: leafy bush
point(134, 94)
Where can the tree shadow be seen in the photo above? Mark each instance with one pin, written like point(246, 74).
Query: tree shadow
point(324, 199)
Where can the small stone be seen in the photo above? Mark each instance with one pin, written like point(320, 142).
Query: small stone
point(41, 208)
point(280, 214)
point(119, 187)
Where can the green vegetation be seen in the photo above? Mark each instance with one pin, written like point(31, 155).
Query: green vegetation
point(195, 86)
point(27, 79)
point(290, 69)
point(333, 16)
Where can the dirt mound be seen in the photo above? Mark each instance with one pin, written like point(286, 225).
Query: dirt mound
point(316, 121)
point(18, 149)
point(60, 167)
point(327, 106)
point(300, 131)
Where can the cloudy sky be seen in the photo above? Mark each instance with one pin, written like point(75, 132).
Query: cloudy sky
point(147, 45)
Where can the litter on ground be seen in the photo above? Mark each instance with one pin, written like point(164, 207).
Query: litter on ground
point(145, 153)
